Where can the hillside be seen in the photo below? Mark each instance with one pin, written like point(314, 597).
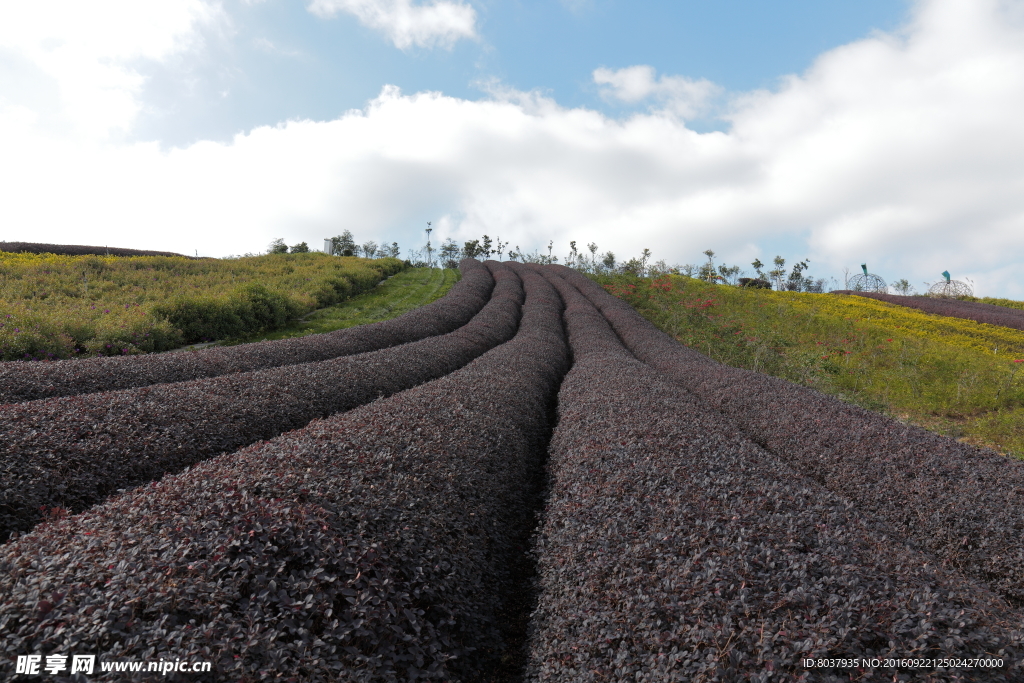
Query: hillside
point(957, 377)
point(61, 306)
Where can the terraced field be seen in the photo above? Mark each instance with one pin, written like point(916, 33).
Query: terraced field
point(525, 480)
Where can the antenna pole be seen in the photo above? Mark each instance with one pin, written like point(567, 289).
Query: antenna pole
point(430, 262)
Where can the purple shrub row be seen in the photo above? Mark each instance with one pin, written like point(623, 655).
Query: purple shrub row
point(638, 334)
point(71, 452)
point(370, 546)
point(953, 308)
point(675, 549)
point(30, 381)
point(79, 250)
point(962, 504)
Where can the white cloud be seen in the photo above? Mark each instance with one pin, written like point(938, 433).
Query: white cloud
point(686, 97)
point(904, 151)
point(89, 51)
point(439, 24)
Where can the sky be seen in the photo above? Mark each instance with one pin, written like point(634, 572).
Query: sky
point(842, 132)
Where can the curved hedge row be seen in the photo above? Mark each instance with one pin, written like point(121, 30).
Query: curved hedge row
point(72, 452)
point(372, 545)
point(953, 308)
point(962, 503)
point(675, 549)
point(638, 334)
point(30, 381)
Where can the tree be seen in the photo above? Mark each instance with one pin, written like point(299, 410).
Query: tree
point(573, 258)
point(592, 248)
point(278, 247)
point(659, 268)
point(473, 249)
point(343, 244)
point(393, 250)
point(817, 286)
point(728, 273)
point(608, 260)
point(796, 282)
point(707, 271)
point(633, 266)
point(416, 258)
point(537, 257)
point(903, 287)
point(757, 269)
point(300, 248)
point(449, 253)
point(369, 249)
point(779, 272)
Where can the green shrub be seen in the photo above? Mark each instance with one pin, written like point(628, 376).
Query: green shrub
point(261, 309)
point(67, 306)
point(200, 319)
point(249, 310)
point(32, 338)
point(331, 291)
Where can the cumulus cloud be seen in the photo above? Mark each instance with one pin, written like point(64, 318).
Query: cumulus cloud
point(902, 150)
point(686, 97)
point(439, 24)
point(82, 57)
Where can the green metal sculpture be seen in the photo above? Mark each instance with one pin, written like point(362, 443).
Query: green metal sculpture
point(868, 282)
point(950, 289)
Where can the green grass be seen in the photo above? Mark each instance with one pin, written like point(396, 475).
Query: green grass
point(1008, 303)
point(409, 289)
point(953, 376)
point(56, 306)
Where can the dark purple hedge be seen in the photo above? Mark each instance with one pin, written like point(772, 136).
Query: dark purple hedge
point(72, 452)
point(375, 545)
point(676, 549)
point(961, 503)
point(79, 250)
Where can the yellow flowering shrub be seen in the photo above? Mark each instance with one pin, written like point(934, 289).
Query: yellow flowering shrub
point(957, 332)
point(946, 373)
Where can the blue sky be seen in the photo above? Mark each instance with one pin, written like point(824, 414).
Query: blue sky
point(284, 62)
point(878, 131)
